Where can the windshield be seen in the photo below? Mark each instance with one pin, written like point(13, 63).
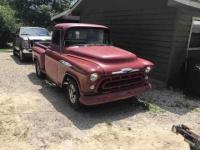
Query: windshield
point(89, 36)
point(34, 31)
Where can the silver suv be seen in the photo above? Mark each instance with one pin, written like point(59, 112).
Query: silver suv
point(25, 39)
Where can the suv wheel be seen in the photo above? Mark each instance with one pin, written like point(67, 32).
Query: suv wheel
point(73, 94)
point(14, 52)
point(38, 71)
point(21, 56)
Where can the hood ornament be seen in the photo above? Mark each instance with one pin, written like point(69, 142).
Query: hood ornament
point(126, 70)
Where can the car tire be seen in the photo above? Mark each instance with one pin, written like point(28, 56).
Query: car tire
point(14, 52)
point(73, 94)
point(38, 71)
point(21, 56)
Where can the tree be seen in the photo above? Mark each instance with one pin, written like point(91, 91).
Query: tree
point(8, 24)
point(14, 13)
point(38, 12)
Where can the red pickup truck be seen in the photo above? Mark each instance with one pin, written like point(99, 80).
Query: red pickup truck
point(82, 60)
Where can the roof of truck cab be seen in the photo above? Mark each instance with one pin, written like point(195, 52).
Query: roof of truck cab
point(70, 25)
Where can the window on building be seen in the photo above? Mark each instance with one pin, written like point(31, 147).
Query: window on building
point(195, 35)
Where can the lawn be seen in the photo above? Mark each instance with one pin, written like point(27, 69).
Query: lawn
point(4, 49)
point(7, 48)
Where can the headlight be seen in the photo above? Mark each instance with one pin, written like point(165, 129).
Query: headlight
point(148, 69)
point(94, 77)
point(25, 44)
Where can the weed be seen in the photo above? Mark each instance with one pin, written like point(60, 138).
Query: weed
point(109, 123)
point(153, 108)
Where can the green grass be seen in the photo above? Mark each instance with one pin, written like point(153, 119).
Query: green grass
point(154, 109)
point(109, 123)
point(4, 49)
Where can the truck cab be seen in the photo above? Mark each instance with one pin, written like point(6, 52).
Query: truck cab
point(82, 60)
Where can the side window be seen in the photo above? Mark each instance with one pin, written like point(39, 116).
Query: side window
point(56, 37)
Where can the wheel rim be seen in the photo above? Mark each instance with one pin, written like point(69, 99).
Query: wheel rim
point(72, 93)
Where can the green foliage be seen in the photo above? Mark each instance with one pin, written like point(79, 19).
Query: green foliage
point(60, 5)
point(8, 24)
point(153, 108)
point(38, 12)
point(28, 13)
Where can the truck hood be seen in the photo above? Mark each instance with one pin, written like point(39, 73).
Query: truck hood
point(110, 59)
point(41, 38)
point(103, 54)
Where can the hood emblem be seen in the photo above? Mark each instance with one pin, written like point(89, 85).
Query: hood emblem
point(126, 70)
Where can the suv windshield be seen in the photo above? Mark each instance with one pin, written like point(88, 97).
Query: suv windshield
point(34, 31)
point(87, 36)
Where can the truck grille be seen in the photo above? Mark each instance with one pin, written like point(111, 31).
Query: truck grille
point(121, 82)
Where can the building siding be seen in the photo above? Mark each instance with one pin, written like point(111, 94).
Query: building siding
point(148, 31)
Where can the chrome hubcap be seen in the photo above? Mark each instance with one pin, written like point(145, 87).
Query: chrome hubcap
point(72, 93)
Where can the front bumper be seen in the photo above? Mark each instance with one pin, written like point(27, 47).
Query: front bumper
point(27, 52)
point(115, 96)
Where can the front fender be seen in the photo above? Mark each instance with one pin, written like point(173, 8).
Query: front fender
point(146, 62)
point(79, 69)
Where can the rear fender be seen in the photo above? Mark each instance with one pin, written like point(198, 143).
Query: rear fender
point(39, 55)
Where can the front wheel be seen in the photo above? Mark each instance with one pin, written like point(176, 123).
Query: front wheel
point(14, 52)
point(73, 94)
point(21, 56)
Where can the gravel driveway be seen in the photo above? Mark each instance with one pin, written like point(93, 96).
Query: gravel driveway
point(34, 115)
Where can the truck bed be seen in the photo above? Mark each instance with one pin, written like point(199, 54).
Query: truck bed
point(44, 44)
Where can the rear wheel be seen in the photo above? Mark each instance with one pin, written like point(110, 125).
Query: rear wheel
point(73, 94)
point(38, 71)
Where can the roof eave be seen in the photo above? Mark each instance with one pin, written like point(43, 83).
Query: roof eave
point(189, 3)
point(68, 12)
point(65, 13)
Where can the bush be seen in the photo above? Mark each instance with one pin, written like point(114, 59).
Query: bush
point(8, 24)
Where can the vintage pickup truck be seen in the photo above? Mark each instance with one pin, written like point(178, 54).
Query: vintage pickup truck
point(82, 60)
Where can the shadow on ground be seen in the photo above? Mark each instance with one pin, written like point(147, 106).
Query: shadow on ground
point(87, 117)
point(28, 61)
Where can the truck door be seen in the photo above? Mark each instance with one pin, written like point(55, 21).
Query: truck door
point(52, 56)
